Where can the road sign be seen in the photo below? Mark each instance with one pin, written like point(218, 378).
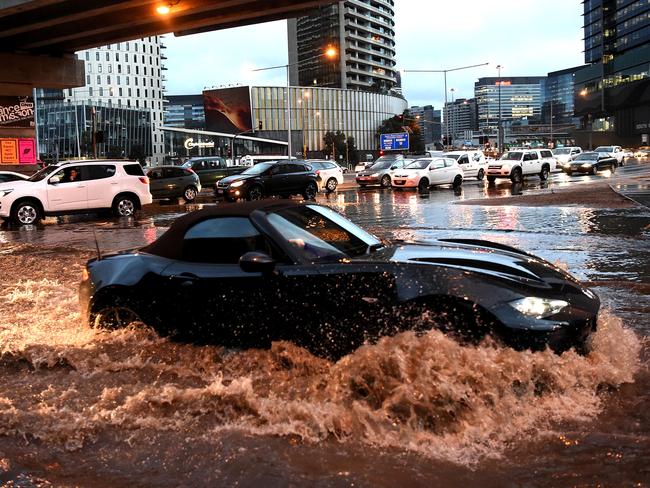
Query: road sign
point(394, 142)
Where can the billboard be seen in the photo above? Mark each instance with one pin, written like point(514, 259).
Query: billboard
point(394, 142)
point(16, 112)
point(228, 110)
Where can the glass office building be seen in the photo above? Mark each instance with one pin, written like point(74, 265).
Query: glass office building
point(517, 97)
point(558, 95)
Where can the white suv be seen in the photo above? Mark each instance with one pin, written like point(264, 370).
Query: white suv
point(522, 162)
point(76, 187)
point(328, 174)
point(613, 151)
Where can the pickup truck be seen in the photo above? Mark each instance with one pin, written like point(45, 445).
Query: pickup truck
point(212, 169)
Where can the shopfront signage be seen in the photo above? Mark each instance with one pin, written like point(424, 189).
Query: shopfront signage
point(394, 142)
point(190, 144)
point(9, 151)
point(16, 112)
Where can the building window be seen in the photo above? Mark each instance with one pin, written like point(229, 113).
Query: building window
point(128, 69)
point(127, 45)
point(97, 56)
point(99, 80)
point(117, 56)
point(137, 103)
point(127, 80)
point(101, 91)
point(99, 68)
point(135, 58)
point(119, 68)
point(118, 80)
point(110, 68)
point(90, 91)
point(87, 79)
point(108, 80)
point(108, 56)
point(135, 79)
point(129, 92)
point(120, 91)
point(137, 93)
point(87, 56)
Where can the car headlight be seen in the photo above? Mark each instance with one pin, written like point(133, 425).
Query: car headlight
point(4, 193)
point(538, 308)
point(375, 175)
point(237, 184)
point(585, 165)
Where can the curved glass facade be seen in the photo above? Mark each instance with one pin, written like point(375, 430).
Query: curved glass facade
point(315, 111)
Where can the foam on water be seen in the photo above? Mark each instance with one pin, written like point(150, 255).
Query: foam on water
point(66, 384)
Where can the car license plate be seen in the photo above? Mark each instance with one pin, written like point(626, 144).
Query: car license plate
point(219, 191)
point(400, 182)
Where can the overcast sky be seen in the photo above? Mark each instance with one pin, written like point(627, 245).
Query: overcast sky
point(527, 37)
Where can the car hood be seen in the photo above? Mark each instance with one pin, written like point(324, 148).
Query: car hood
point(477, 256)
point(15, 184)
point(408, 171)
point(228, 180)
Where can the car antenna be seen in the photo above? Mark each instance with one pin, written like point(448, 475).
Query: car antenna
point(99, 253)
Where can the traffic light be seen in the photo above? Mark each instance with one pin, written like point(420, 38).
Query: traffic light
point(381, 152)
point(259, 125)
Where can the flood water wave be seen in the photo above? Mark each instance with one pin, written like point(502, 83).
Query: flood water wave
point(68, 386)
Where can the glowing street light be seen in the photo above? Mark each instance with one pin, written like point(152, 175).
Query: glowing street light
point(163, 9)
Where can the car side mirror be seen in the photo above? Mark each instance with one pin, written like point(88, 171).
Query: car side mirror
point(257, 262)
point(394, 166)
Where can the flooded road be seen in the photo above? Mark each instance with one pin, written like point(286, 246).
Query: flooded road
point(86, 408)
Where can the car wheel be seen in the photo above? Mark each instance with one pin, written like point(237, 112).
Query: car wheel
point(516, 175)
point(423, 186)
point(569, 173)
point(457, 181)
point(385, 181)
point(593, 170)
point(113, 316)
point(310, 191)
point(613, 168)
point(491, 179)
point(190, 193)
point(331, 185)
point(480, 175)
point(255, 193)
point(26, 213)
point(124, 206)
point(543, 175)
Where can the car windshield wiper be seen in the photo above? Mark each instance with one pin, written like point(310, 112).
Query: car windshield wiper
point(375, 247)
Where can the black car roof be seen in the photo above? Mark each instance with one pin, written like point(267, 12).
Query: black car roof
point(169, 244)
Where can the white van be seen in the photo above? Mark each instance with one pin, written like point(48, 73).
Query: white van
point(473, 163)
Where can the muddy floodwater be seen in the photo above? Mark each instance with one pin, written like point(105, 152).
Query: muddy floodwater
point(80, 407)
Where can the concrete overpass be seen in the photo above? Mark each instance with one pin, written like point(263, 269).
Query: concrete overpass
point(38, 37)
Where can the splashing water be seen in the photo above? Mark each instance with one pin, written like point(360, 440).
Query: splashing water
point(68, 385)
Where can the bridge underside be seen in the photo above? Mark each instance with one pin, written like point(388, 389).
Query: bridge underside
point(38, 37)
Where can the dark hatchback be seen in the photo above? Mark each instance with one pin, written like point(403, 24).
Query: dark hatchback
point(248, 274)
point(591, 163)
point(173, 182)
point(276, 178)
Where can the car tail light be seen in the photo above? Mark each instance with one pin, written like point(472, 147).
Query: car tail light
point(144, 179)
point(189, 171)
point(317, 172)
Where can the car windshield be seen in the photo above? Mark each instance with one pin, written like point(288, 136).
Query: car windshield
point(452, 156)
point(258, 169)
point(418, 164)
point(382, 165)
point(590, 156)
point(512, 156)
point(562, 151)
point(605, 149)
point(319, 234)
point(43, 173)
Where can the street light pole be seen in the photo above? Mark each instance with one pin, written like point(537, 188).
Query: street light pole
point(444, 72)
point(499, 134)
point(330, 53)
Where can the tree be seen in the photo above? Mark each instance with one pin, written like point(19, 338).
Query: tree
point(334, 143)
point(404, 123)
point(352, 153)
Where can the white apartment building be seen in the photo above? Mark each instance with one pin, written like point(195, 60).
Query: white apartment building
point(127, 74)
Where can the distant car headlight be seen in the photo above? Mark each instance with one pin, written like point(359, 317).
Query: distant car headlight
point(237, 184)
point(4, 193)
point(538, 308)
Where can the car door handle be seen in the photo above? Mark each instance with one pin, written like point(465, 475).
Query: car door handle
point(186, 279)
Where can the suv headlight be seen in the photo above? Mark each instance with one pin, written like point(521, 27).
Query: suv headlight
point(374, 175)
point(538, 308)
point(237, 184)
point(4, 193)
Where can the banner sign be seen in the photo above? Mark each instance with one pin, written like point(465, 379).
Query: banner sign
point(9, 151)
point(228, 110)
point(16, 113)
point(394, 142)
point(27, 151)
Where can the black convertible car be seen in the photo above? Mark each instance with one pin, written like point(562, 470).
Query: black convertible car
point(243, 275)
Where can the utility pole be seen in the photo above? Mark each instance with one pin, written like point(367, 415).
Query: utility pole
point(94, 124)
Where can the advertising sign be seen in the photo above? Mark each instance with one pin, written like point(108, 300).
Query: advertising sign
point(394, 142)
point(9, 151)
point(27, 151)
point(228, 110)
point(16, 112)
